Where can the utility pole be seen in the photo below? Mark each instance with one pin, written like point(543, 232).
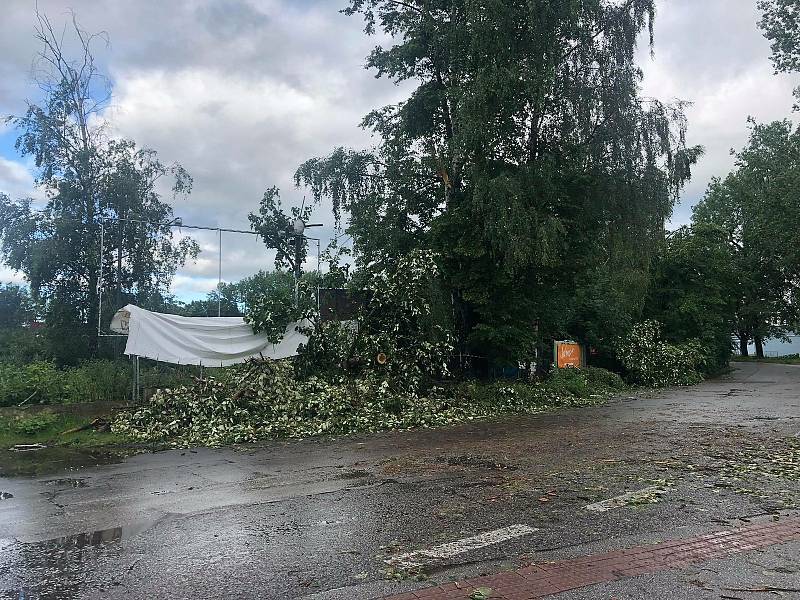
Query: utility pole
point(219, 276)
point(298, 251)
point(120, 240)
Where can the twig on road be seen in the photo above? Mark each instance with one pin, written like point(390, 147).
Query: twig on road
point(766, 589)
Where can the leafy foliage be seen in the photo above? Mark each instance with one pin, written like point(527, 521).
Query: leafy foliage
point(21, 339)
point(273, 308)
point(277, 230)
point(651, 361)
point(37, 382)
point(22, 345)
point(34, 424)
point(396, 319)
point(781, 25)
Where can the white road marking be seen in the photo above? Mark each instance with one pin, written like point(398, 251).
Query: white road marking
point(627, 498)
point(489, 538)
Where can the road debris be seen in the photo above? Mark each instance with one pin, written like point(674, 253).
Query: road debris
point(648, 495)
point(766, 589)
point(27, 447)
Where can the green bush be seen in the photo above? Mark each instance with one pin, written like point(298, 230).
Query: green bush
point(571, 381)
point(651, 361)
point(97, 381)
point(37, 382)
point(596, 377)
point(161, 375)
point(33, 424)
point(42, 382)
point(22, 345)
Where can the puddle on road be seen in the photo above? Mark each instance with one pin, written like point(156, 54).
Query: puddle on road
point(58, 459)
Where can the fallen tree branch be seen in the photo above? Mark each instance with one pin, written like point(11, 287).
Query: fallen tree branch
point(97, 424)
point(29, 397)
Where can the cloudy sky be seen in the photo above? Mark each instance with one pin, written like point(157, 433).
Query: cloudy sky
point(242, 91)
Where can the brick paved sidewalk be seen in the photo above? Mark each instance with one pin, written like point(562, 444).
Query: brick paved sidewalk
point(540, 580)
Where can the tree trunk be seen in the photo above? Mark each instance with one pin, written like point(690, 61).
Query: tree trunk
point(759, 342)
point(744, 340)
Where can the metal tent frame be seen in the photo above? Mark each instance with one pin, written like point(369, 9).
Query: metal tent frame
point(175, 223)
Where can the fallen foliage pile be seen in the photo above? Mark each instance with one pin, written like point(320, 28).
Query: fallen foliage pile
point(653, 362)
point(263, 399)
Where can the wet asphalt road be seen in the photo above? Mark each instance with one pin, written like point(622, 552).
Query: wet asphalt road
point(321, 518)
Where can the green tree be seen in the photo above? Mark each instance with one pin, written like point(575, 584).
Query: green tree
point(525, 158)
point(276, 228)
point(89, 179)
point(758, 207)
point(781, 26)
point(17, 308)
point(695, 290)
point(222, 303)
point(20, 338)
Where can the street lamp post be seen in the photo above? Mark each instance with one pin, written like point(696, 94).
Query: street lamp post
point(299, 227)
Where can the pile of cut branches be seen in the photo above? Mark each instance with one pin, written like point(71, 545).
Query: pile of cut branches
point(263, 399)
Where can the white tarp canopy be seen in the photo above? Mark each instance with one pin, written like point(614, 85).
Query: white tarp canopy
point(207, 341)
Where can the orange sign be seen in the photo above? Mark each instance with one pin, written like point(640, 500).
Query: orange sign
point(568, 355)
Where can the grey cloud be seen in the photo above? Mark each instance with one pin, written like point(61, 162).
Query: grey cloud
point(241, 92)
point(229, 18)
point(712, 54)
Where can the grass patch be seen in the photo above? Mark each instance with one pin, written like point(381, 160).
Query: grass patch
point(46, 427)
point(789, 359)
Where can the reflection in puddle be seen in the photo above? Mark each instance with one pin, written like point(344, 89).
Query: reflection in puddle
point(98, 537)
point(61, 567)
point(81, 540)
point(58, 459)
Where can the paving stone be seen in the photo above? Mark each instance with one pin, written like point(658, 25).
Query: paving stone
point(541, 580)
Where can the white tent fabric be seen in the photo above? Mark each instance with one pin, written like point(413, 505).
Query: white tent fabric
point(207, 341)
